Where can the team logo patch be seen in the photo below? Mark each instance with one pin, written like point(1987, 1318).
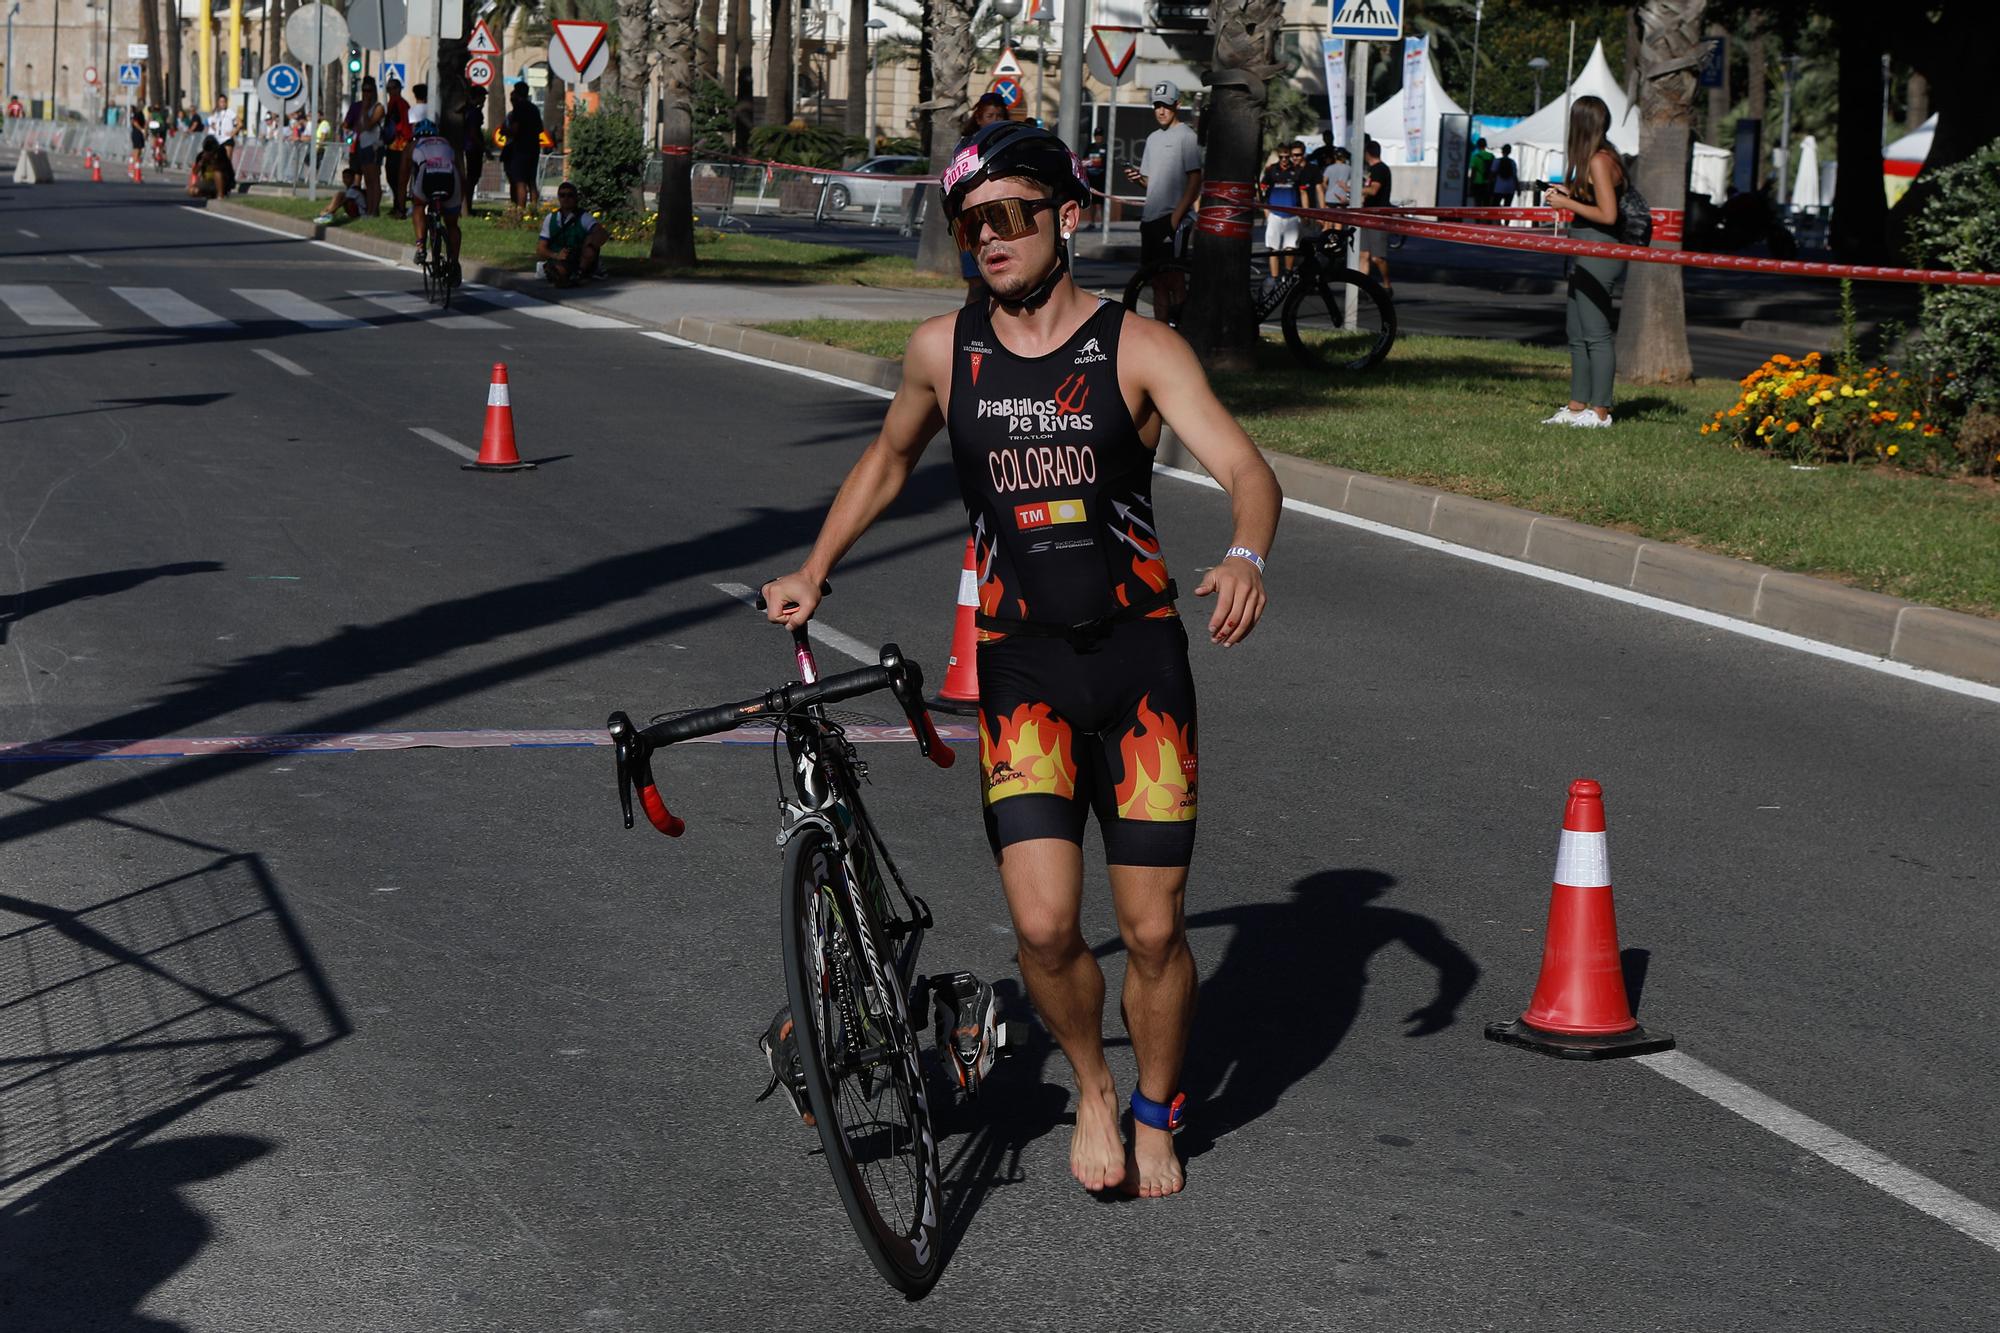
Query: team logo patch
point(1046, 513)
point(1072, 395)
point(1088, 353)
point(977, 357)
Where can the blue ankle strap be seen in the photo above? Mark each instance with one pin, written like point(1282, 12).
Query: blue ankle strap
point(1169, 1116)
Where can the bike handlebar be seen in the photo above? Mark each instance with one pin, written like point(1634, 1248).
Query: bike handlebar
point(634, 746)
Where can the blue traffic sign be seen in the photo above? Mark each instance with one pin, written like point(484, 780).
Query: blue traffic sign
point(395, 69)
point(1009, 89)
point(281, 83)
point(1366, 21)
point(128, 76)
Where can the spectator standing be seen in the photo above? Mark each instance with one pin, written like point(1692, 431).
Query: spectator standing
point(1480, 175)
point(1093, 170)
point(1170, 170)
point(1589, 193)
point(363, 124)
point(473, 150)
point(523, 149)
point(135, 122)
point(321, 133)
point(222, 125)
point(395, 142)
point(14, 108)
point(1281, 190)
point(1506, 177)
point(1375, 194)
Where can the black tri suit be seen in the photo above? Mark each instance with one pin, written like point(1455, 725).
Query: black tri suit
point(1086, 701)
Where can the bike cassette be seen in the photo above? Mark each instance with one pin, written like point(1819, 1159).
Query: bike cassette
point(969, 1034)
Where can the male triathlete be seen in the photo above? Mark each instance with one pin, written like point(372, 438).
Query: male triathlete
point(1055, 401)
point(430, 167)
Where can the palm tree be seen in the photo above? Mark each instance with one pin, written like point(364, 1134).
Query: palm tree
point(673, 227)
point(857, 71)
point(1220, 321)
point(948, 37)
point(781, 51)
point(1652, 328)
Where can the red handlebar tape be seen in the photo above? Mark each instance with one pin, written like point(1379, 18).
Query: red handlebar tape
point(941, 754)
point(665, 820)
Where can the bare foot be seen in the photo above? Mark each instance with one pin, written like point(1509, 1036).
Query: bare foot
point(1153, 1168)
point(1096, 1153)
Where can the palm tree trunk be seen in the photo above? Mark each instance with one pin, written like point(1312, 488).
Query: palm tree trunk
point(711, 13)
point(673, 229)
point(149, 33)
point(171, 38)
point(1652, 328)
point(1719, 99)
point(1220, 322)
point(629, 62)
point(948, 44)
point(857, 71)
point(1758, 94)
point(1860, 208)
point(783, 50)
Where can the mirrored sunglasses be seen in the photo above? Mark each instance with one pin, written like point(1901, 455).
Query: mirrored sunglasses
point(1009, 219)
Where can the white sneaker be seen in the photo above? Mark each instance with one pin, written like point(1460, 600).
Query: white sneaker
point(1563, 417)
point(1590, 420)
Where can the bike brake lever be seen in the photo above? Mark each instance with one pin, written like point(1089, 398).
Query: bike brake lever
point(906, 682)
point(620, 727)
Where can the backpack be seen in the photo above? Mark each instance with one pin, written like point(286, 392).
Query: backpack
point(1635, 216)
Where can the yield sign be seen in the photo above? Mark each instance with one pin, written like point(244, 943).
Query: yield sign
point(1008, 66)
point(581, 42)
point(1117, 46)
point(482, 43)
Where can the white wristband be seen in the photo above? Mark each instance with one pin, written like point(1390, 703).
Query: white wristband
point(1245, 553)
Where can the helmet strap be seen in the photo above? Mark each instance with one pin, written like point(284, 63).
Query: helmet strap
point(1035, 297)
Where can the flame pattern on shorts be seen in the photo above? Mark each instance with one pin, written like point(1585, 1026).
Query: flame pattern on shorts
point(1030, 751)
point(1159, 757)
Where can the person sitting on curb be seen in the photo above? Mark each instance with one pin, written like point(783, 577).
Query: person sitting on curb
point(212, 176)
point(570, 241)
point(349, 203)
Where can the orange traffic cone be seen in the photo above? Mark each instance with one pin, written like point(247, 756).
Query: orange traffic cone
point(960, 693)
point(1579, 1010)
point(496, 446)
point(96, 171)
point(138, 176)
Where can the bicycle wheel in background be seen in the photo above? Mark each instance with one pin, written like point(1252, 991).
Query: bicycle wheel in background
point(858, 1048)
point(1318, 330)
point(1141, 288)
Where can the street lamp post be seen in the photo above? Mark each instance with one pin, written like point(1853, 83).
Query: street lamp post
point(1538, 64)
point(874, 89)
point(1007, 10)
point(1472, 95)
point(11, 12)
point(55, 32)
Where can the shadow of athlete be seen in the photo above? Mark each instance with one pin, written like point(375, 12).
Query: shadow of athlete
point(1289, 986)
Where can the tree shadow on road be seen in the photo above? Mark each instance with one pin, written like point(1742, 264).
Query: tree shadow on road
point(107, 583)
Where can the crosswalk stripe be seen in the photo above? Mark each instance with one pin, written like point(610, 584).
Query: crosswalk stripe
point(404, 303)
point(166, 306)
point(41, 306)
point(528, 305)
point(292, 306)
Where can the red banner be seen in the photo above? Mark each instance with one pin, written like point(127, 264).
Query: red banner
point(1227, 207)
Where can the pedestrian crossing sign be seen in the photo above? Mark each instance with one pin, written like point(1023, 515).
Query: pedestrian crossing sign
point(482, 43)
point(1367, 21)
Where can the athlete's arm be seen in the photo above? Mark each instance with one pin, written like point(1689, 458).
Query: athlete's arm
point(915, 416)
point(1172, 378)
point(1188, 197)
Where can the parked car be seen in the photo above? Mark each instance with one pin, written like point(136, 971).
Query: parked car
point(889, 192)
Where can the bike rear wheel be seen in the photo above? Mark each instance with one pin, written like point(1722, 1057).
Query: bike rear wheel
point(1321, 335)
point(1144, 286)
point(858, 1048)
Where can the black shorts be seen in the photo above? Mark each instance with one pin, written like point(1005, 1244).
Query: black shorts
point(1063, 732)
point(1156, 239)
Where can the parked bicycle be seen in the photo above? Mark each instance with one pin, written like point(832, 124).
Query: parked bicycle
point(846, 1048)
point(1311, 302)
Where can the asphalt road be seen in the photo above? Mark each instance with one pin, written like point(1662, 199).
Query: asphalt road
point(422, 1039)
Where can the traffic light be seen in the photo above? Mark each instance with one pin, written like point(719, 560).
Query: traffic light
point(353, 59)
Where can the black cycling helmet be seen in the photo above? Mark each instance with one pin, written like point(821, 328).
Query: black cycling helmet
point(1013, 148)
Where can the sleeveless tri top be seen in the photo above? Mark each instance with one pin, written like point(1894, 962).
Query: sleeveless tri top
point(1056, 481)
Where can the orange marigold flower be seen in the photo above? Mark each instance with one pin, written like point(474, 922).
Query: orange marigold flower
point(1791, 427)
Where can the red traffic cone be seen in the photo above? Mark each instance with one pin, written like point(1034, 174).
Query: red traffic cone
point(96, 171)
point(960, 693)
point(496, 446)
point(1579, 1010)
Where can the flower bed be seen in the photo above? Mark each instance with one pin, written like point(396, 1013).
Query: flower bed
point(1804, 412)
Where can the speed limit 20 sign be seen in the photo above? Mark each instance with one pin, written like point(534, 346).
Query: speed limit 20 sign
point(479, 71)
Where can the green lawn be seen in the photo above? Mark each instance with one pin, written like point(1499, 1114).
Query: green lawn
point(1462, 414)
point(723, 256)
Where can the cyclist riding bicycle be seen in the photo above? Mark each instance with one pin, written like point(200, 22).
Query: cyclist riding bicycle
point(431, 167)
point(1055, 401)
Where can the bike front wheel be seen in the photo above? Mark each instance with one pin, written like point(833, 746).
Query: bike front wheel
point(857, 1046)
point(1155, 286)
point(1323, 336)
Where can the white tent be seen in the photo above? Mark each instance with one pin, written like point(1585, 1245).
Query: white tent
point(1549, 127)
point(1385, 122)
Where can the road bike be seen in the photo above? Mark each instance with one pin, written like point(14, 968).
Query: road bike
point(851, 932)
point(1311, 302)
point(434, 254)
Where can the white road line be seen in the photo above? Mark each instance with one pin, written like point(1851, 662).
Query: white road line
point(29, 234)
point(1920, 1192)
point(290, 305)
point(87, 263)
point(438, 437)
point(166, 306)
point(528, 305)
point(340, 250)
point(1748, 629)
point(357, 254)
point(282, 363)
point(817, 628)
point(41, 306)
point(820, 375)
point(412, 306)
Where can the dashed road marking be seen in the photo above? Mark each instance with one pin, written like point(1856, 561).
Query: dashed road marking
point(33, 236)
point(87, 263)
point(282, 363)
point(443, 440)
point(817, 628)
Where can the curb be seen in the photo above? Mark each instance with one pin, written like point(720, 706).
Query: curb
point(1927, 637)
point(1949, 642)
